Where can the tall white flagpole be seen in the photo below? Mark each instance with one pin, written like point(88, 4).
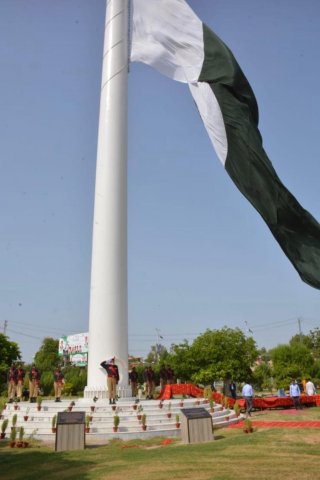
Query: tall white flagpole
point(108, 322)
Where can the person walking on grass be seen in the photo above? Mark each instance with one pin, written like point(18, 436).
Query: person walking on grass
point(248, 394)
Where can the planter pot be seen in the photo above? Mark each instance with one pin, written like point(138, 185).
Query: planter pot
point(221, 409)
point(134, 407)
point(16, 407)
point(211, 410)
point(87, 429)
point(25, 418)
point(177, 425)
point(114, 407)
point(115, 429)
point(69, 409)
point(92, 409)
point(2, 435)
point(12, 444)
point(19, 444)
point(160, 405)
point(169, 415)
point(144, 427)
point(90, 418)
point(139, 417)
point(181, 404)
point(226, 419)
point(39, 408)
point(54, 429)
point(25, 444)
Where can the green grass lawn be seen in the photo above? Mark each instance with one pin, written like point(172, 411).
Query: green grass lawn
point(292, 453)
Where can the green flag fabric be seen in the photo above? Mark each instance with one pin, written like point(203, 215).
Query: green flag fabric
point(167, 35)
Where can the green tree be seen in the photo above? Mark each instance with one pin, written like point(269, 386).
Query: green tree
point(262, 377)
point(291, 361)
point(315, 342)
point(215, 355)
point(157, 354)
point(9, 352)
point(47, 358)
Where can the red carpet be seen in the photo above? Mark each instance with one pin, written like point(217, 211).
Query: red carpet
point(258, 423)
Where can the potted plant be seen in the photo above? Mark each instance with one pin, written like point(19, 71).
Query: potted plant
point(19, 443)
point(178, 420)
point(16, 406)
point(116, 421)
point(248, 426)
point(139, 412)
point(4, 427)
point(144, 421)
point(71, 405)
point(54, 424)
point(169, 410)
point(160, 404)
point(13, 436)
point(26, 416)
point(87, 424)
point(39, 402)
point(14, 421)
point(134, 406)
point(211, 406)
point(236, 408)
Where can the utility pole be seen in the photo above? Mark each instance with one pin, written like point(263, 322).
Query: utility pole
point(5, 327)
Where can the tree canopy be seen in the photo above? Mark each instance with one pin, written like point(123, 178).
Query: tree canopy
point(215, 355)
point(9, 353)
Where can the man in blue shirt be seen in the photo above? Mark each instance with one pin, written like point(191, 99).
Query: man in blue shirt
point(295, 394)
point(247, 393)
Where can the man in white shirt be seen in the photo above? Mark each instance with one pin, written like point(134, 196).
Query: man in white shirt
point(247, 393)
point(310, 388)
point(295, 394)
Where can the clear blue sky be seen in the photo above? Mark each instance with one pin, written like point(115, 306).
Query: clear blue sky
point(199, 255)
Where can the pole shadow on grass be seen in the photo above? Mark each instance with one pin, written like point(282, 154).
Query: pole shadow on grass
point(43, 462)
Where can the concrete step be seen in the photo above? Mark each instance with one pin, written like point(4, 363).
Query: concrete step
point(38, 424)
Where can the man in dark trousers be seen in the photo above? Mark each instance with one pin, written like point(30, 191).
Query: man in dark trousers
point(112, 378)
point(133, 377)
point(58, 383)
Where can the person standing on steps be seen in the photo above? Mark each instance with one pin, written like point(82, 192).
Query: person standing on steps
point(34, 383)
point(58, 382)
point(112, 378)
point(20, 381)
point(12, 383)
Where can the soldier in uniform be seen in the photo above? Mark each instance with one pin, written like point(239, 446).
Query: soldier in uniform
point(58, 383)
point(20, 381)
point(12, 383)
point(112, 378)
point(170, 375)
point(133, 377)
point(163, 377)
point(34, 383)
point(149, 377)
